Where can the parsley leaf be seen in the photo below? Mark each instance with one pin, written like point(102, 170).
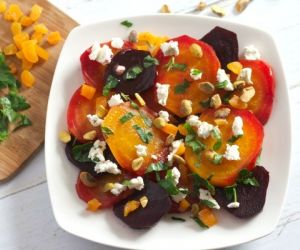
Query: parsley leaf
point(111, 83)
point(199, 222)
point(192, 141)
point(126, 23)
point(217, 136)
point(7, 79)
point(171, 65)
point(230, 192)
point(200, 182)
point(17, 102)
point(246, 177)
point(208, 203)
point(156, 167)
point(182, 87)
point(146, 119)
point(80, 152)
point(177, 218)
point(126, 117)
point(234, 138)
point(150, 61)
point(133, 72)
point(221, 85)
point(107, 131)
point(217, 160)
point(168, 183)
point(145, 136)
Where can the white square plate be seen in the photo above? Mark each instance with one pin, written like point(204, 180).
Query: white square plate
point(104, 227)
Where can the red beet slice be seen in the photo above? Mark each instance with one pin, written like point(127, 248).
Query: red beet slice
point(225, 44)
point(251, 199)
point(131, 58)
point(159, 204)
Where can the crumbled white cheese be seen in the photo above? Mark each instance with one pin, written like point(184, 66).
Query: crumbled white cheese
point(154, 157)
point(162, 92)
point(120, 69)
point(173, 149)
point(136, 183)
point(94, 51)
point(237, 126)
point(170, 48)
point(94, 120)
point(117, 43)
point(251, 53)
point(206, 195)
point(223, 77)
point(204, 130)
point(141, 150)
point(115, 100)
point(245, 75)
point(178, 197)
point(193, 120)
point(195, 74)
point(107, 166)
point(233, 204)
point(118, 189)
point(96, 151)
point(165, 115)
point(232, 152)
point(176, 175)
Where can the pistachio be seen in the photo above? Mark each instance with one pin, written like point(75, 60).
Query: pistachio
point(196, 50)
point(221, 122)
point(241, 5)
point(239, 84)
point(133, 37)
point(144, 201)
point(195, 209)
point(165, 9)
point(91, 135)
point(218, 10)
point(108, 186)
point(210, 154)
point(159, 122)
point(178, 159)
point(87, 179)
point(222, 113)
point(139, 99)
point(131, 206)
point(206, 87)
point(64, 136)
point(101, 111)
point(247, 94)
point(237, 103)
point(137, 163)
point(201, 5)
point(215, 101)
point(186, 107)
point(170, 139)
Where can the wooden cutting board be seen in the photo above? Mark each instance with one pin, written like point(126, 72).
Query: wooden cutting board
point(24, 142)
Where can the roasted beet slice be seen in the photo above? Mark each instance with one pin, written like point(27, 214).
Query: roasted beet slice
point(86, 166)
point(225, 44)
point(131, 59)
point(159, 204)
point(251, 199)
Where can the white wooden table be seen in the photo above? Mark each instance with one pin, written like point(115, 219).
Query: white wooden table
point(26, 218)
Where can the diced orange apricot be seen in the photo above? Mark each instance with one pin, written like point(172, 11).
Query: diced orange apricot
point(54, 38)
point(93, 205)
point(87, 91)
point(20, 38)
point(42, 53)
point(13, 68)
point(27, 79)
point(10, 49)
point(131, 206)
point(170, 129)
point(20, 55)
point(182, 130)
point(184, 205)
point(36, 12)
point(150, 42)
point(2, 6)
point(26, 65)
point(37, 36)
point(235, 67)
point(13, 13)
point(41, 28)
point(181, 149)
point(29, 51)
point(16, 28)
point(207, 217)
point(26, 21)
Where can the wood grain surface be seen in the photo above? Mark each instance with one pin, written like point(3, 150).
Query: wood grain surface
point(24, 142)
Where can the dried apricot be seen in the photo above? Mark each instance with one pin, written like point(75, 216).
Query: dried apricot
point(27, 78)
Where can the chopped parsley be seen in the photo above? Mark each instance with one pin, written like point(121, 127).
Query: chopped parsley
point(150, 61)
point(246, 177)
point(196, 72)
point(111, 83)
point(132, 103)
point(217, 136)
point(126, 117)
point(157, 167)
point(144, 135)
point(133, 72)
point(106, 131)
point(146, 119)
point(199, 222)
point(171, 65)
point(230, 192)
point(217, 160)
point(7, 79)
point(177, 218)
point(126, 23)
point(168, 183)
point(201, 182)
point(221, 85)
point(234, 138)
point(191, 139)
point(208, 203)
point(80, 152)
point(182, 87)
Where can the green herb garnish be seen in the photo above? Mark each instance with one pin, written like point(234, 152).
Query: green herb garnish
point(80, 152)
point(196, 72)
point(230, 192)
point(126, 23)
point(146, 119)
point(177, 218)
point(17, 102)
point(200, 182)
point(217, 160)
point(191, 139)
point(171, 65)
point(234, 138)
point(126, 117)
point(182, 87)
point(145, 136)
point(157, 167)
point(227, 97)
point(246, 177)
point(208, 203)
point(168, 183)
point(199, 222)
point(217, 136)
point(150, 61)
point(107, 131)
point(133, 72)
point(221, 85)
point(7, 79)
point(111, 83)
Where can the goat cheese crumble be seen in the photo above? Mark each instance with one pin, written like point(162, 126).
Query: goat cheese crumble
point(180, 196)
point(204, 130)
point(206, 195)
point(117, 43)
point(251, 53)
point(237, 126)
point(165, 115)
point(162, 92)
point(245, 75)
point(115, 100)
point(107, 166)
point(223, 77)
point(170, 48)
point(100, 54)
point(176, 175)
point(195, 74)
point(94, 120)
point(96, 151)
point(136, 183)
point(173, 149)
point(141, 150)
point(118, 189)
point(232, 153)
point(233, 205)
point(193, 120)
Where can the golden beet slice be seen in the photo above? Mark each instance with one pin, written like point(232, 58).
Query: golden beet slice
point(250, 145)
point(128, 133)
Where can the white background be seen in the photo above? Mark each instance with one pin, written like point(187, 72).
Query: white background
point(26, 219)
